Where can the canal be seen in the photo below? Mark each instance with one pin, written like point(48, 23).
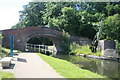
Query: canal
point(107, 68)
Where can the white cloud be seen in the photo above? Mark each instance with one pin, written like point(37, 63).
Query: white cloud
point(8, 17)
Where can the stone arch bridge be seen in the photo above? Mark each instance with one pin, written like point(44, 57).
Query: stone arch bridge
point(22, 35)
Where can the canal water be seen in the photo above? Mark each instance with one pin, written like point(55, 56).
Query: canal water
point(107, 68)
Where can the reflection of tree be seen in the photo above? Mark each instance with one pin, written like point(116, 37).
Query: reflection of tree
point(109, 68)
point(85, 63)
point(102, 67)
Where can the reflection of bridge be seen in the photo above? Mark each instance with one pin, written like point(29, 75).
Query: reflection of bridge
point(23, 35)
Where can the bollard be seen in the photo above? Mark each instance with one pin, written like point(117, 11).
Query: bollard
point(11, 45)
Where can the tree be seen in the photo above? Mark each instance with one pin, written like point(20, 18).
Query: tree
point(112, 27)
point(112, 8)
point(71, 20)
point(81, 19)
point(31, 15)
point(52, 13)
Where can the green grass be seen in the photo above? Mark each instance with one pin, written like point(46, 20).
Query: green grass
point(5, 52)
point(1, 55)
point(67, 69)
point(8, 50)
point(6, 75)
point(83, 50)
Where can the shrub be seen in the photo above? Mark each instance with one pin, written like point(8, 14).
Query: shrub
point(77, 49)
point(65, 46)
point(117, 46)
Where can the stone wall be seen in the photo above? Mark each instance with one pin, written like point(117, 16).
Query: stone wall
point(22, 35)
point(80, 40)
point(0, 39)
point(110, 53)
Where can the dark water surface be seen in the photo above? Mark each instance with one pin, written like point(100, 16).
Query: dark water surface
point(107, 68)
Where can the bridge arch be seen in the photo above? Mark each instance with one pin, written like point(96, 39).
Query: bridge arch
point(22, 35)
point(55, 39)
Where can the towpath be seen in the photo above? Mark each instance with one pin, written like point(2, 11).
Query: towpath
point(30, 65)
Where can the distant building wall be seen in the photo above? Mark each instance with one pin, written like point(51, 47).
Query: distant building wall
point(106, 44)
point(108, 48)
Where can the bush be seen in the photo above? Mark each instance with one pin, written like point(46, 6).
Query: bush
point(117, 46)
point(65, 46)
point(77, 49)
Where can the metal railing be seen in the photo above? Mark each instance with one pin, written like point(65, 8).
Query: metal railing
point(41, 48)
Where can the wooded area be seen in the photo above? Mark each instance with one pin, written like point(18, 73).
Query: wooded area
point(76, 18)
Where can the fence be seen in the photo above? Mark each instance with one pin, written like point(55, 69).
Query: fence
point(41, 48)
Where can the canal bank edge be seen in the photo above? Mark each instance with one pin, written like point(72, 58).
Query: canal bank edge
point(99, 57)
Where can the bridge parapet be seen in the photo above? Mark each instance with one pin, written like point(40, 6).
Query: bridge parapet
point(0, 39)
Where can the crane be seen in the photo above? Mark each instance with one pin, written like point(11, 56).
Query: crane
point(94, 43)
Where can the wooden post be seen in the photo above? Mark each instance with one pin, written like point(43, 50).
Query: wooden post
point(53, 50)
point(30, 47)
point(45, 49)
point(39, 48)
point(34, 47)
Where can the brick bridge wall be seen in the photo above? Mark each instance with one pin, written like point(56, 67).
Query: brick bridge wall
point(22, 35)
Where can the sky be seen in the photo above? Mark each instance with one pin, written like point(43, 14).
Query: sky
point(9, 12)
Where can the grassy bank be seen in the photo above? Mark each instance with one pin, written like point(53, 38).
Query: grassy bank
point(82, 50)
point(67, 69)
point(6, 52)
point(6, 75)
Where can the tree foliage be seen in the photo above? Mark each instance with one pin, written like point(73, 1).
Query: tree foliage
point(76, 18)
point(31, 15)
point(65, 46)
point(112, 27)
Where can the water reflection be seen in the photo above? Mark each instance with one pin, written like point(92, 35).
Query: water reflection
point(102, 67)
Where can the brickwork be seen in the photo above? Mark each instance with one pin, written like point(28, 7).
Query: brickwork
point(0, 39)
point(22, 35)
